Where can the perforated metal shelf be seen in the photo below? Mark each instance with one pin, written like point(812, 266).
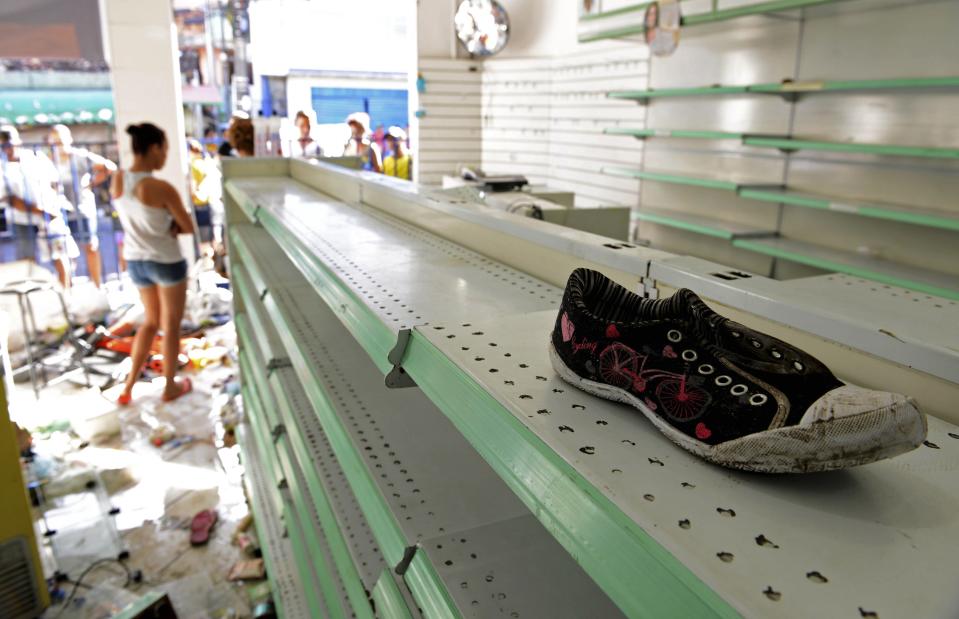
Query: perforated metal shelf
point(308, 453)
point(311, 558)
point(414, 476)
point(284, 578)
point(381, 275)
point(652, 523)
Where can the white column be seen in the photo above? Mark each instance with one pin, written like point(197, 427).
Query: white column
point(141, 48)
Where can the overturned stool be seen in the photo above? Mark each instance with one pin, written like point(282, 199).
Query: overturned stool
point(43, 357)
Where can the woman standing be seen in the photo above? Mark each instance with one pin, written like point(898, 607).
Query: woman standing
point(153, 215)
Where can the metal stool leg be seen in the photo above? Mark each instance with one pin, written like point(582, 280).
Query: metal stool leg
point(78, 348)
point(28, 342)
point(36, 332)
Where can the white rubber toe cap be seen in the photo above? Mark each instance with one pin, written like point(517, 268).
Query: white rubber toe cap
point(849, 400)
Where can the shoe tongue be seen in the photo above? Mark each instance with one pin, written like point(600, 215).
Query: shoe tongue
point(703, 319)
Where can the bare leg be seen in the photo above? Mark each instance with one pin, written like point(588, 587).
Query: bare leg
point(144, 337)
point(62, 265)
point(172, 301)
point(94, 263)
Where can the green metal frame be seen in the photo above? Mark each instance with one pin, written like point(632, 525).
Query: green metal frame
point(878, 211)
point(840, 267)
point(778, 194)
point(895, 150)
point(634, 570)
point(422, 579)
point(373, 335)
point(683, 224)
point(790, 88)
point(701, 18)
point(675, 179)
point(389, 601)
point(791, 144)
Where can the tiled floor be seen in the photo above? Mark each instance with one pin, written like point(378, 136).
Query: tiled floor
point(158, 490)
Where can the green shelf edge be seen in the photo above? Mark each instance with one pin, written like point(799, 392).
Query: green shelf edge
point(422, 579)
point(374, 336)
point(349, 575)
point(676, 92)
point(343, 561)
point(329, 600)
point(849, 147)
point(792, 88)
point(676, 133)
point(712, 16)
point(257, 509)
point(790, 144)
point(839, 267)
point(675, 179)
point(684, 225)
point(390, 603)
point(864, 210)
point(634, 570)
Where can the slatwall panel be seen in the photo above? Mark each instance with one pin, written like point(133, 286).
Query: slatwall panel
point(449, 132)
point(544, 117)
point(856, 39)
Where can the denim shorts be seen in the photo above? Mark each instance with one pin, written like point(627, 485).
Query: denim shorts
point(147, 273)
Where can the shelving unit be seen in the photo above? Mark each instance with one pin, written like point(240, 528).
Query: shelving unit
point(879, 270)
point(699, 224)
point(876, 269)
point(790, 144)
point(573, 506)
point(463, 526)
point(792, 89)
point(628, 21)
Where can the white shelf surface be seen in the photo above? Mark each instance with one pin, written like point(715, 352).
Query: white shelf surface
point(881, 538)
point(423, 278)
point(445, 491)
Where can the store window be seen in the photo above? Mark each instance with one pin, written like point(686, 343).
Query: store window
point(385, 107)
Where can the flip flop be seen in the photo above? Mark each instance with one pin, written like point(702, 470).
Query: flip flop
point(186, 386)
point(201, 526)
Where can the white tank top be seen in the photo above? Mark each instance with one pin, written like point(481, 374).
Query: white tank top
point(146, 229)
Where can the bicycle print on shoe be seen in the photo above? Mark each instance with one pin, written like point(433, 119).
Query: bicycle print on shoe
point(732, 395)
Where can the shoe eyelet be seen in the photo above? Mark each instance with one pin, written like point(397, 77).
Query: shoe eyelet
point(690, 355)
point(799, 366)
point(738, 390)
point(705, 369)
point(758, 399)
point(756, 344)
point(776, 354)
point(674, 336)
point(722, 380)
point(735, 334)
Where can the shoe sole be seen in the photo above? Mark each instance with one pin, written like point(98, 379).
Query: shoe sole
point(822, 446)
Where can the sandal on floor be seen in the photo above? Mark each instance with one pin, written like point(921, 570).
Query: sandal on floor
point(201, 526)
point(186, 386)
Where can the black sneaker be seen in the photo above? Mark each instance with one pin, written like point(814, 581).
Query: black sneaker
point(723, 391)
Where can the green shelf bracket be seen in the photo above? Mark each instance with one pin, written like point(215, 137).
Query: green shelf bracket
point(695, 19)
point(675, 179)
point(675, 133)
point(836, 265)
point(878, 211)
point(792, 89)
point(791, 144)
point(638, 574)
point(388, 599)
